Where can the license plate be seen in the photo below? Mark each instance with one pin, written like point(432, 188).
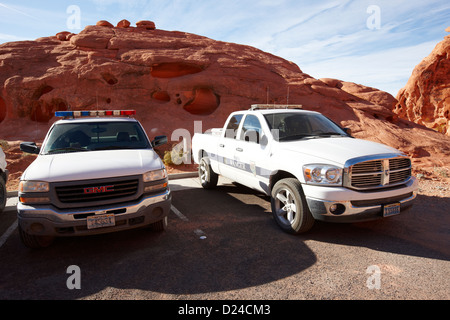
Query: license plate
point(105, 220)
point(391, 209)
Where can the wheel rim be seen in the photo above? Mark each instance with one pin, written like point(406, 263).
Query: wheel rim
point(285, 207)
point(203, 172)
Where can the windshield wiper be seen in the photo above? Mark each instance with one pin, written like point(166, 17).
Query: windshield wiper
point(329, 134)
point(67, 149)
point(114, 148)
point(295, 137)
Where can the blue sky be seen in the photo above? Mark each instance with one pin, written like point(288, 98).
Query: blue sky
point(370, 42)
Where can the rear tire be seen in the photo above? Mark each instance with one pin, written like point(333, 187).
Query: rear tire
point(208, 178)
point(289, 207)
point(32, 241)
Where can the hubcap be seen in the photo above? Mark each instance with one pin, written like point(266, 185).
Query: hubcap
point(203, 172)
point(285, 206)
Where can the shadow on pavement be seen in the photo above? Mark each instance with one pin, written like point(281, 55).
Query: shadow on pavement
point(243, 248)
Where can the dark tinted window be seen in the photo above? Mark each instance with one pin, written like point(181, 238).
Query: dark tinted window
point(293, 126)
point(87, 136)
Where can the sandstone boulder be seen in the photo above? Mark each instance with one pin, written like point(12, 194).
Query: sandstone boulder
point(104, 23)
point(123, 24)
point(426, 97)
point(145, 24)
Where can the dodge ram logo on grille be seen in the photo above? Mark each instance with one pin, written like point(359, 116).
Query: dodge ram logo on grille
point(101, 189)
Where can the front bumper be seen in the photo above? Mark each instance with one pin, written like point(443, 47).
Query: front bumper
point(47, 220)
point(355, 206)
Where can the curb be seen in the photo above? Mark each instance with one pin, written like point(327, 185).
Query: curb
point(184, 175)
point(172, 176)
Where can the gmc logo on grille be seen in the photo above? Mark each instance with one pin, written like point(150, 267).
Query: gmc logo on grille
point(101, 189)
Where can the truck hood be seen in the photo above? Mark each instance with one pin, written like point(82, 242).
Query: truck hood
point(91, 165)
point(337, 150)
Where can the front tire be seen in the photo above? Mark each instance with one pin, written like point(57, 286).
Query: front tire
point(208, 178)
point(2, 194)
point(34, 242)
point(289, 207)
point(159, 226)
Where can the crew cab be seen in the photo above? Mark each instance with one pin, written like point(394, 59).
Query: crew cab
point(96, 172)
point(3, 180)
point(311, 168)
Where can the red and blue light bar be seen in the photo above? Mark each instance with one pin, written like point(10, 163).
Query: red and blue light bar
point(95, 113)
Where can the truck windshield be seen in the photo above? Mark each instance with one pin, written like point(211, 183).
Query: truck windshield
point(90, 136)
point(291, 126)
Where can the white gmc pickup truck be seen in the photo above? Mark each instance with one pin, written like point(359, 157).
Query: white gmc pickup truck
point(3, 180)
point(94, 173)
point(310, 167)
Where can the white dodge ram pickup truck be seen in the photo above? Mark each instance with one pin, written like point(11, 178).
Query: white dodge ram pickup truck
point(3, 180)
point(93, 174)
point(310, 167)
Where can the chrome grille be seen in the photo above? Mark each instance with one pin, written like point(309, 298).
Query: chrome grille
point(378, 173)
point(90, 192)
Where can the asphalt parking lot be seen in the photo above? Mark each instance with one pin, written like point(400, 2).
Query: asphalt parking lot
point(223, 244)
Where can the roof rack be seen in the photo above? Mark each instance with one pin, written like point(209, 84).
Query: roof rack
point(275, 106)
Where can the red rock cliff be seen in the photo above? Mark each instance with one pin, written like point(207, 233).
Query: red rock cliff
point(426, 97)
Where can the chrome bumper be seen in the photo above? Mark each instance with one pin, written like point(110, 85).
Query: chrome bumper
point(354, 206)
point(50, 221)
point(320, 209)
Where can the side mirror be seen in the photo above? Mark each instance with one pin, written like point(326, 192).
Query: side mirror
point(159, 141)
point(348, 131)
point(264, 141)
point(30, 147)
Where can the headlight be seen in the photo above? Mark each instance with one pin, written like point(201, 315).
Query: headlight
point(155, 175)
point(322, 174)
point(33, 186)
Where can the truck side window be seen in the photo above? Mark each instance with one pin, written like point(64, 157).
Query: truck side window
point(232, 127)
point(251, 129)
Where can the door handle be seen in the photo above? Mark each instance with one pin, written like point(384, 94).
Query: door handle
point(221, 145)
point(239, 149)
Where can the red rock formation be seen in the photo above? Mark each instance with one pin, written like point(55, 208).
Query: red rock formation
point(174, 78)
point(149, 25)
point(123, 24)
point(104, 23)
point(426, 97)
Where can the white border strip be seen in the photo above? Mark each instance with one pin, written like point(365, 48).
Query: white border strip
point(8, 232)
point(178, 213)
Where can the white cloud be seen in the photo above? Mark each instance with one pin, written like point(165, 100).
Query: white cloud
point(387, 70)
point(9, 37)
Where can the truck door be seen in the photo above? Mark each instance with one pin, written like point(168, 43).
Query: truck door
point(227, 147)
point(252, 153)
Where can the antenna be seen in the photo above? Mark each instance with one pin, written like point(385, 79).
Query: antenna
point(69, 107)
point(287, 98)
